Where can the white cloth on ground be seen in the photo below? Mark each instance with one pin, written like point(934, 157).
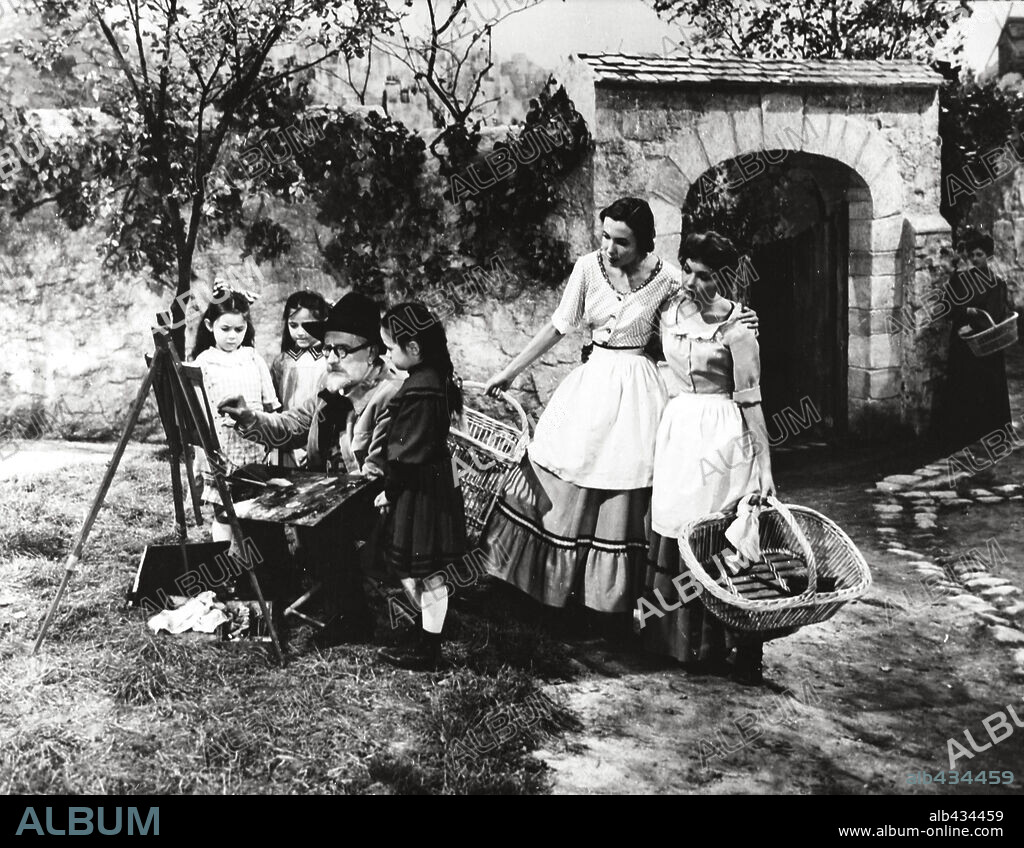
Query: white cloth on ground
point(201, 613)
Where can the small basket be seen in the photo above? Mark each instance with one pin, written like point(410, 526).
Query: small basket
point(992, 339)
point(486, 451)
point(826, 549)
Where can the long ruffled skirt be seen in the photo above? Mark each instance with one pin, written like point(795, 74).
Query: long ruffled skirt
point(572, 521)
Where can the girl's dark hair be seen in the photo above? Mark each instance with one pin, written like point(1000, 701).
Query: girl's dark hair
point(711, 249)
point(305, 299)
point(637, 215)
point(975, 239)
point(234, 304)
point(413, 322)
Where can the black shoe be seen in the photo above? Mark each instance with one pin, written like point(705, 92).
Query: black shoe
point(426, 656)
point(749, 669)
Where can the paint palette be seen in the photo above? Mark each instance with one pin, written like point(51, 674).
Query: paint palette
point(294, 495)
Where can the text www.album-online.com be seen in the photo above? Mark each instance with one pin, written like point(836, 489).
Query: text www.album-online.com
point(940, 830)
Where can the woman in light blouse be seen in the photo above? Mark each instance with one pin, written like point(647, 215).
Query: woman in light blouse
point(711, 449)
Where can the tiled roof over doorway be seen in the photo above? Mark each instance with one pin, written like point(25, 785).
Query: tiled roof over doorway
point(637, 69)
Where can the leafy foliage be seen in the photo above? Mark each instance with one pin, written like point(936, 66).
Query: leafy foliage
point(816, 29)
point(177, 85)
point(368, 180)
point(513, 211)
point(975, 119)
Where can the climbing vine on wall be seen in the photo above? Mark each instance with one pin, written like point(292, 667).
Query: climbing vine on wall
point(399, 227)
point(506, 196)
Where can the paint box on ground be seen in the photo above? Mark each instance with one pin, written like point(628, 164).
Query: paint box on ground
point(163, 572)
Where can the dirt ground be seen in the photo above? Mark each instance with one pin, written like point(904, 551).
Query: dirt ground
point(874, 693)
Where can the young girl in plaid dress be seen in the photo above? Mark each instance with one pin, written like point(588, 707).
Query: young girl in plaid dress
point(231, 367)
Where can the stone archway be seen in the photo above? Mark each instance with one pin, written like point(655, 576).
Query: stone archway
point(660, 123)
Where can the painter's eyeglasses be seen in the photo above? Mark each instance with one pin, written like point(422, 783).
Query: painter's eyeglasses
point(341, 351)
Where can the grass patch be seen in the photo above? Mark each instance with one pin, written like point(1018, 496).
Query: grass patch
point(478, 735)
point(108, 708)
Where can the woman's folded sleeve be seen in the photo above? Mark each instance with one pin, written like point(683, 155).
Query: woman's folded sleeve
point(746, 364)
point(569, 314)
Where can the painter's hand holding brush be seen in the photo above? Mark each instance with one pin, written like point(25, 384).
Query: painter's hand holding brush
point(237, 409)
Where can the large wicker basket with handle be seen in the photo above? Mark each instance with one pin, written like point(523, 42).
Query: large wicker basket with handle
point(831, 558)
point(486, 450)
point(992, 339)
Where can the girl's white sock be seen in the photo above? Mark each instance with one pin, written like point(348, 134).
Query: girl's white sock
point(434, 612)
point(220, 531)
point(434, 605)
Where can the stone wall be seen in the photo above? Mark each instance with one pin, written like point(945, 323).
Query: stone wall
point(73, 335)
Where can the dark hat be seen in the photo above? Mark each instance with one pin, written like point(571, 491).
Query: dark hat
point(355, 313)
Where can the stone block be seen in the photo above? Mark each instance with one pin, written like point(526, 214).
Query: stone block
point(860, 235)
point(747, 127)
point(671, 184)
point(885, 322)
point(883, 383)
point(782, 116)
point(851, 142)
point(874, 263)
point(876, 160)
point(857, 382)
point(859, 291)
point(859, 322)
point(875, 352)
point(857, 193)
point(687, 153)
point(644, 124)
point(717, 136)
point(815, 133)
point(885, 292)
point(886, 233)
point(887, 194)
point(861, 210)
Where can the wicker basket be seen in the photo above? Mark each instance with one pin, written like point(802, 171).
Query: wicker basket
point(995, 338)
point(486, 451)
point(826, 549)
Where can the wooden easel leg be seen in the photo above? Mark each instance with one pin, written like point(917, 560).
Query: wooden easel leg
point(76, 551)
point(179, 510)
point(189, 461)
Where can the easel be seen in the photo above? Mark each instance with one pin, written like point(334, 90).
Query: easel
point(179, 412)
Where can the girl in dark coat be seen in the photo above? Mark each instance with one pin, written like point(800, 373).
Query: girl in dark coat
point(424, 525)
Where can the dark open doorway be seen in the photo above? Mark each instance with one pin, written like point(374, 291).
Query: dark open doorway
point(800, 297)
point(791, 220)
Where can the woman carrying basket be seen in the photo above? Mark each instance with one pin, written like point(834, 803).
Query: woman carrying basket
point(571, 521)
point(711, 450)
point(977, 400)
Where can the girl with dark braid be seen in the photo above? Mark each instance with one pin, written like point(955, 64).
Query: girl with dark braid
point(424, 524)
